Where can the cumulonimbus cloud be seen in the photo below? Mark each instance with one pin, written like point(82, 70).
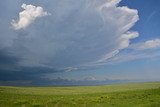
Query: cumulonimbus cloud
point(79, 33)
point(28, 15)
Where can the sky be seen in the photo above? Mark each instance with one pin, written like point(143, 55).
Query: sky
point(45, 41)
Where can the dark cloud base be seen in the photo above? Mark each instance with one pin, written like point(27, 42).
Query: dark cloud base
point(59, 82)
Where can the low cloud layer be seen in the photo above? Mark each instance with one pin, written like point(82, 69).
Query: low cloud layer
point(142, 50)
point(149, 44)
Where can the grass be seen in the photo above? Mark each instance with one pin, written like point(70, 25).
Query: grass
point(118, 95)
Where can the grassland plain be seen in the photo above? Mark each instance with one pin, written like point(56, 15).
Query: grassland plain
point(117, 95)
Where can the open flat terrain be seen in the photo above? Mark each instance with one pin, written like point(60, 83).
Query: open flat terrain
point(117, 95)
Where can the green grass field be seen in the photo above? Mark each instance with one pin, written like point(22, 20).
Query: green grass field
point(118, 95)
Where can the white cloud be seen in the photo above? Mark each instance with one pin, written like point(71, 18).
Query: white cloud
point(152, 44)
point(149, 44)
point(124, 18)
point(28, 16)
point(125, 39)
point(108, 56)
point(90, 78)
point(124, 43)
point(68, 69)
point(134, 55)
point(142, 50)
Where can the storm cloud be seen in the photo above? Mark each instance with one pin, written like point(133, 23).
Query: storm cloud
point(76, 33)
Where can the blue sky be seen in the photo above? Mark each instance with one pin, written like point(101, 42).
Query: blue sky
point(100, 39)
point(149, 13)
